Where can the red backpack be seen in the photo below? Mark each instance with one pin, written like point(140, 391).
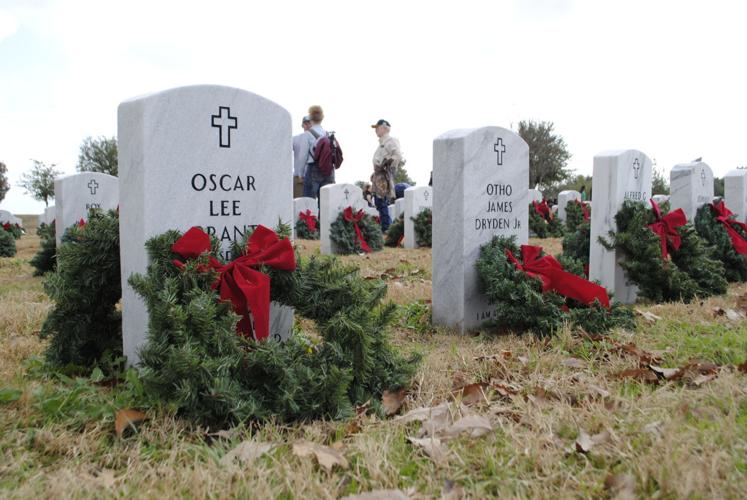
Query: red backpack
point(328, 154)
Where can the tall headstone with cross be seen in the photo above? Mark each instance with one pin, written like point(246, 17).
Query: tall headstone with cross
point(417, 199)
point(618, 176)
point(76, 194)
point(480, 190)
point(563, 198)
point(333, 199)
point(205, 155)
point(691, 186)
point(735, 192)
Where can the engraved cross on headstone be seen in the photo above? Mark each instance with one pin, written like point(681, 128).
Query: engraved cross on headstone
point(426, 195)
point(224, 122)
point(636, 168)
point(499, 148)
point(346, 193)
point(93, 186)
point(702, 176)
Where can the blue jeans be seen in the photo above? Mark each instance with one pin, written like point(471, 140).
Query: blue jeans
point(317, 180)
point(383, 207)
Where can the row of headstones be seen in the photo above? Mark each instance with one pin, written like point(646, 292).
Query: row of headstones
point(335, 198)
point(7, 217)
point(220, 157)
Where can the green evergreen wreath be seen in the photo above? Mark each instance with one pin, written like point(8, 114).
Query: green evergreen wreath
point(715, 235)
point(521, 306)
point(690, 273)
point(84, 324)
point(574, 215)
point(342, 234)
point(576, 243)
point(7, 244)
point(543, 228)
point(423, 227)
point(14, 229)
point(45, 259)
point(304, 233)
point(195, 362)
point(396, 232)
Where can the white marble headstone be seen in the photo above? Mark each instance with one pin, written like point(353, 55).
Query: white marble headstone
point(392, 212)
point(399, 208)
point(618, 176)
point(372, 211)
point(333, 199)
point(563, 198)
point(76, 194)
point(535, 195)
point(416, 200)
point(6, 216)
point(480, 189)
point(49, 214)
point(735, 192)
point(691, 186)
point(204, 155)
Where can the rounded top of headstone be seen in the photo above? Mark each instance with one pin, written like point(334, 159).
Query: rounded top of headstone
point(83, 176)
point(737, 172)
point(460, 133)
point(619, 152)
point(191, 91)
point(691, 166)
point(569, 191)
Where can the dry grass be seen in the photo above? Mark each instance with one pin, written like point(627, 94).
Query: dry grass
point(674, 440)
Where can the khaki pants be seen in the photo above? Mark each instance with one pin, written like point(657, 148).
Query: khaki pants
point(297, 187)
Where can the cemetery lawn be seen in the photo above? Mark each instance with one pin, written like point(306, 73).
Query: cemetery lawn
point(561, 421)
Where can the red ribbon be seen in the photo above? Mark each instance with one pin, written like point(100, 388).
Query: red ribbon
point(549, 271)
point(666, 228)
point(309, 219)
point(6, 226)
point(348, 215)
point(584, 209)
point(246, 288)
point(543, 209)
point(726, 217)
point(82, 223)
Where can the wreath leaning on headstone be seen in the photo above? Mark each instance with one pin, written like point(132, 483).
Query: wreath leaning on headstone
point(356, 232)
point(576, 213)
point(200, 360)
point(7, 244)
point(84, 325)
point(576, 244)
point(664, 255)
point(14, 229)
point(717, 225)
point(531, 291)
point(423, 227)
point(45, 259)
point(307, 226)
point(542, 222)
point(395, 235)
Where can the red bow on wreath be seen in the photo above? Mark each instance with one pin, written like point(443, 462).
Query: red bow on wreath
point(666, 228)
point(543, 209)
point(81, 223)
point(584, 209)
point(309, 219)
point(6, 226)
point(725, 217)
point(246, 288)
point(348, 215)
point(549, 271)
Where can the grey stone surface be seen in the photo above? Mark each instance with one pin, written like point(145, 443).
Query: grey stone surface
point(735, 192)
point(618, 176)
point(399, 207)
point(6, 216)
point(372, 211)
point(691, 186)
point(76, 194)
point(333, 199)
point(416, 200)
point(535, 195)
point(392, 212)
point(49, 214)
point(563, 198)
point(204, 155)
point(480, 189)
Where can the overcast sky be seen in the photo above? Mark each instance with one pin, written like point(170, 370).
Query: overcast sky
point(665, 77)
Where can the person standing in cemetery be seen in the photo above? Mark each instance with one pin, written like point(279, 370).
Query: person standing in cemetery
point(386, 159)
point(302, 144)
point(316, 178)
point(368, 194)
point(582, 191)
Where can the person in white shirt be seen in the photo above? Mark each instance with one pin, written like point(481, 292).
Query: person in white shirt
point(302, 144)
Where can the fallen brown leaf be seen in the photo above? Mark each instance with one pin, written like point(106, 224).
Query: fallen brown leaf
point(648, 316)
point(392, 401)
point(640, 374)
point(246, 452)
point(431, 446)
point(743, 367)
point(474, 393)
point(574, 363)
point(378, 495)
point(667, 373)
point(585, 442)
point(742, 303)
point(326, 456)
point(620, 486)
point(127, 418)
point(475, 425)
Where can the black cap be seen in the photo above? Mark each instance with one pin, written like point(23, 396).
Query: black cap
point(381, 122)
